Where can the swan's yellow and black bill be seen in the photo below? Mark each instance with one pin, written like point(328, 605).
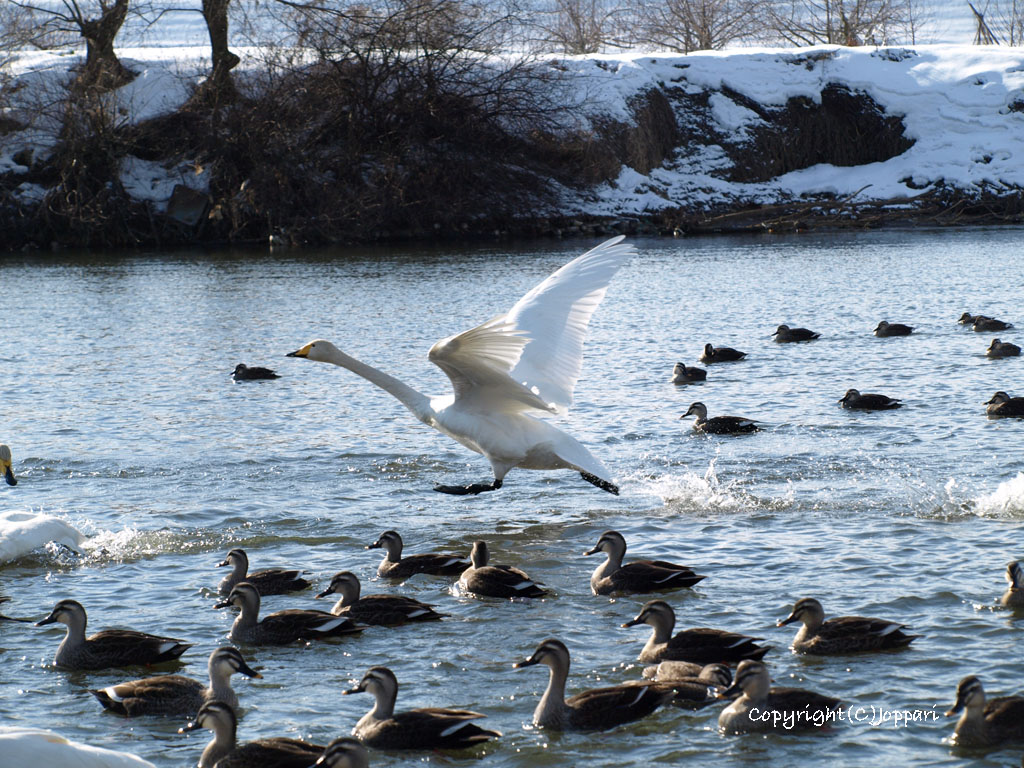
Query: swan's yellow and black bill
point(304, 352)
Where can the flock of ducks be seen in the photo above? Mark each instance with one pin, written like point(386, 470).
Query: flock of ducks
point(1000, 405)
point(691, 668)
point(525, 361)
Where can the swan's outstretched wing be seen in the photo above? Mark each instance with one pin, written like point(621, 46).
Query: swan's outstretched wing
point(478, 362)
point(555, 314)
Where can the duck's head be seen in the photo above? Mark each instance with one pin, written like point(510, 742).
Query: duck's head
point(709, 349)
point(882, 326)
point(236, 558)
point(345, 752)
point(698, 409)
point(808, 610)
point(1015, 574)
point(781, 329)
point(5, 465)
point(998, 397)
point(969, 694)
point(319, 350)
point(389, 540)
point(228, 660)
point(717, 674)
point(69, 612)
point(479, 554)
point(752, 678)
point(215, 716)
point(851, 394)
point(551, 653)
point(345, 584)
point(657, 613)
point(611, 542)
point(379, 682)
point(243, 595)
point(966, 317)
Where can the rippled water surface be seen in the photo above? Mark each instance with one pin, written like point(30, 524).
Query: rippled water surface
point(116, 399)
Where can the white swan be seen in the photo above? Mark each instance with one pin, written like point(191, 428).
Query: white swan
point(525, 361)
point(33, 746)
point(23, 532)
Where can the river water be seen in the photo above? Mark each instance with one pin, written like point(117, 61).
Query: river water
point(118, 404)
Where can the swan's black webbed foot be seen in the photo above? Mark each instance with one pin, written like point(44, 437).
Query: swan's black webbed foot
point(604, 485)
point(468, 490)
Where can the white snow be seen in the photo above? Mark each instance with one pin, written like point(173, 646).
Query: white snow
point(955, 102)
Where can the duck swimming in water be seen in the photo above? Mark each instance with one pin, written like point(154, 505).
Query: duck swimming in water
point(243, 372)
point(1001, 404)
point(687, 374)
point(784, 334)
point(713, 354)
point(854, 400)
point(1002, 349)
point(886, 329)
point(719, 425)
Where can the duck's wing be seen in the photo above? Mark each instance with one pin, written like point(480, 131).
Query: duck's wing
point(704, 645)
point(163, 694)
point(880, 631)
point(555, 315)
point(277, 752)
point(479, 362)
point(601, 708)
point(126, 646)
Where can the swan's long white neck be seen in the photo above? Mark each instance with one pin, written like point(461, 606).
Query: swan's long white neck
point(415, 401)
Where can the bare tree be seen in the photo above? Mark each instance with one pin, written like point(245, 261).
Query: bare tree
point(841, 22)
point(1008, 20)
point(700, 25)
point(579, 26)
point(97, 22)
point(218, 86)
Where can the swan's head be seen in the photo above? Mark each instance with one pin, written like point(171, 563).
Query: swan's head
point(5, 465)
point(319, 350)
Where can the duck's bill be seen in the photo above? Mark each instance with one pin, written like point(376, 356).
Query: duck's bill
point(358, 689)
point(633, 622)
point(593, 551)
point(222, 604)
point(788, 620)
point(48, 620)
point(729, 692)
point(192, 726)
point(325, 593)
point(525, 663)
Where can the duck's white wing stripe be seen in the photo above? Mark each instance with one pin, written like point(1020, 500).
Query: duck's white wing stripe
point(555, 315)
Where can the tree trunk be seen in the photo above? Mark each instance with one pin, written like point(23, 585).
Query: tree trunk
point(219, 86)
point(103, 70)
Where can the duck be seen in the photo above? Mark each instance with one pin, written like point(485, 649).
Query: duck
point(1001, 404)
point(844, 634)
point(784, 334)
point(380, 610)
point(345, 752)
point(24, 532)
point(719, 425)
point(638, 576)
point(394, 566)
point(496, 580)
point(591, 710)
point(855, 401)
point(886, 329)
point(243, 372)
point(699, 645)
point(22, 746)
point(687, 374)
point(983, 324)
point(763, 708)
point(508, 369)
point(692, 691)
point(109, 648)
point(1013, 597)
point(999, 349)
point(176, 694)
point(224, 752)
point(6, 465)
point(429, 728)
point(967, 318)
point(713, 354)
point(270, 581)
point(985, 724)
point(282, 627)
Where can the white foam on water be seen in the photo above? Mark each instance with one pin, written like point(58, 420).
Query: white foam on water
point(1005, 501)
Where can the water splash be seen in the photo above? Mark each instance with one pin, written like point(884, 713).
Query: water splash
point(1006, 501)
point(692, 491)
